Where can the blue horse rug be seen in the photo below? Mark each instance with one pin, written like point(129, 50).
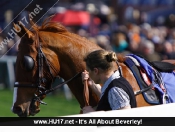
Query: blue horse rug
point(168, 79)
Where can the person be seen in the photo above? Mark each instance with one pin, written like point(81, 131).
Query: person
point(116, 93)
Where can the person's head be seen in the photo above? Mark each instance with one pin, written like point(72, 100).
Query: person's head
point(100, 61)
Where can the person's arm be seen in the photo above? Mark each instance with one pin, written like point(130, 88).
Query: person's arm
point(118, 99)
point(96, 88)
point(126, 107)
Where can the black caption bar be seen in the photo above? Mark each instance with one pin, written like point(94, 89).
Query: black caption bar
point(87, 121)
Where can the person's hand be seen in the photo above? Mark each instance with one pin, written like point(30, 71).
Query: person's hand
point(87, 109)
point(96, 88)
point(85, 76)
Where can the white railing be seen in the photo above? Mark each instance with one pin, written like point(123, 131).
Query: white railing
point(167, 110)
point(7, 71)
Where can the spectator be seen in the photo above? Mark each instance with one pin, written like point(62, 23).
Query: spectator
point(103, 42)
point(169, 52)
point(119, 43)
point(149, 52)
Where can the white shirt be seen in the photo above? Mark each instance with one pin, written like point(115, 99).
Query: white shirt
point(117, 97)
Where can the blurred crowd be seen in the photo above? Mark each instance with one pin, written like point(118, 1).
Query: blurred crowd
point(154, 42)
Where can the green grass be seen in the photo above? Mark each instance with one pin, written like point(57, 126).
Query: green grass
point(57, 105)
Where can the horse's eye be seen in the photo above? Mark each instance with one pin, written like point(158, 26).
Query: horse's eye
point(28, 63)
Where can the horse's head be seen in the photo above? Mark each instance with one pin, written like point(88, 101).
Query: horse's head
point(34, 74)
point(44, 53)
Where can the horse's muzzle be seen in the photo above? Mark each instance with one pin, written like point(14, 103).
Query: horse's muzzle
point(24, 113)
point(18, 110)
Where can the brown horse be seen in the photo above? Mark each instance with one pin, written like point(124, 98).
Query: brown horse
point(49, 51)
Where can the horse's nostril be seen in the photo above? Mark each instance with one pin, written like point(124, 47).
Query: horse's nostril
point(17, 110)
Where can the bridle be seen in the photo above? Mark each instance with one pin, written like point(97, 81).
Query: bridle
point(41, 90)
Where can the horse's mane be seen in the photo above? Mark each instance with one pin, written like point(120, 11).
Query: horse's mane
point(49, 26)
point(56, 27)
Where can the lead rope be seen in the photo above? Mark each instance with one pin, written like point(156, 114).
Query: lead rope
point(86, 93)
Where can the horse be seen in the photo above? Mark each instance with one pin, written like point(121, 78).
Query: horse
point(49, 51)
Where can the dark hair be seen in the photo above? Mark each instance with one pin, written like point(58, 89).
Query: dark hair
point(100, 59)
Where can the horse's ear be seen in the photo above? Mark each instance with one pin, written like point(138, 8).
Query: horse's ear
point(22, 31)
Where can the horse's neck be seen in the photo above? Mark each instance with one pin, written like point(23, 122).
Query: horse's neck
point(70, 53)
point(67, 56)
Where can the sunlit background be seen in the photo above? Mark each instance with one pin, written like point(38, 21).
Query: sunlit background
point(143, 27)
